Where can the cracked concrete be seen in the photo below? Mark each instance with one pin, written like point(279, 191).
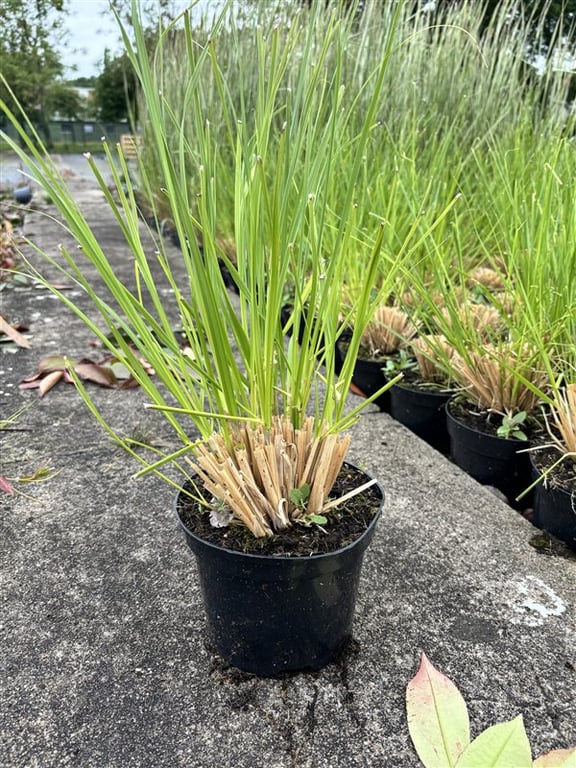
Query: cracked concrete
point(104, 663)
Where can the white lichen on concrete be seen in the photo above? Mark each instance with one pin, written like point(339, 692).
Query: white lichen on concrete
point(535, 601)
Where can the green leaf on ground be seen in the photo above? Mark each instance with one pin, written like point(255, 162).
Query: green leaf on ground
point(502, 746)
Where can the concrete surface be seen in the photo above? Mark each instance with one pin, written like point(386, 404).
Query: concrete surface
point(12, 171)
point(102, 630)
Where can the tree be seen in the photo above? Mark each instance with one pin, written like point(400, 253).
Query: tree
point(116, 87)
point(553, 16)
point(82, 82)
point(66, 102)
point(556, 16)
point(116, 90)
point(29, 32)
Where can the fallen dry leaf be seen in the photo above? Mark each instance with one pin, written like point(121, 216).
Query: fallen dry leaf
point(49, 381)
point(99, 374)
point(51, 363)
point(13, 333)
point(54, 368)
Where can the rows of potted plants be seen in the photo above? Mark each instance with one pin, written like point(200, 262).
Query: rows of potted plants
point(486, 383)
point(477, 200)
point(259, 416)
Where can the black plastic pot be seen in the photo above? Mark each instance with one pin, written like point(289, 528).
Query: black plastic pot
point(268, 615)
point(491, 460)
point(554, 510)
point(368, 377)
point(172, 235)
point(285, 313)
point(423, 412)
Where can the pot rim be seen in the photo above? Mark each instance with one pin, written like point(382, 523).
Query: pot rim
point(522, 444)
point(422, 390)
point(365, 536)
point(538, 474)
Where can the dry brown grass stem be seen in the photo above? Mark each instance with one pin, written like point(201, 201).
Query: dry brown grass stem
point(433, 354)
point(505, 302)
point(387, 331)
point(413, 299)
point(488, 278)
point(564, 416)
point(255, 477)
point(485, 320)
point(491, 379)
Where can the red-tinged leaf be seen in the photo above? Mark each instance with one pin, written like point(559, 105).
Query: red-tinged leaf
point(558, 758)
point(5, 486)
point(437, 717)
point(502, 746)
point(99, 374)
point(49, 381)
point(13, 334)
point(51, 363)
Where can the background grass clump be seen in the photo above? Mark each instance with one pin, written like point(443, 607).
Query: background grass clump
point(470, 160)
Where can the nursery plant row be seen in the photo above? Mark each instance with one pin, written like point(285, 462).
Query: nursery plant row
point(460, 210)
point(343, 187)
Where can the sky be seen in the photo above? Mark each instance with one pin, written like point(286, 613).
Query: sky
point(91, 28)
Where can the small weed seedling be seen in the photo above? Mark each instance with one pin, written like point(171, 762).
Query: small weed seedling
point(510, 426)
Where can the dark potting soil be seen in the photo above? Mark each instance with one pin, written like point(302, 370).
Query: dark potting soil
point(487, 421)
point(346, 523)
point(413, 380)
point(364, 353)
point(563, 476)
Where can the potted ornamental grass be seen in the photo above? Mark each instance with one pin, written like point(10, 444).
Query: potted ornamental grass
point(488, 353)
point(382, 343)
point(384, 351)
point(418, 400)
point(552, 452)
point(532, 254)
point(489, 420)
point(554, 468)
point(277, 519)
